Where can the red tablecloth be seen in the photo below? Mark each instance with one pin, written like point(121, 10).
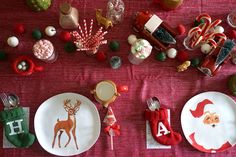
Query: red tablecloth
point(79, 73)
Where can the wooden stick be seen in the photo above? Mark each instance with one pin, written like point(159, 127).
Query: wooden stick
point(111, 142)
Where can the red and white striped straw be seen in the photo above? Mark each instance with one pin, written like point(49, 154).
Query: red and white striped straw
point(85, 29)
point(91, 27)
point(81, 31)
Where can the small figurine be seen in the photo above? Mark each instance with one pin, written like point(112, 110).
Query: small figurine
point(160, 34)
point(86, 41)
point(184, 66)
point(102, 20)
point(216, 58)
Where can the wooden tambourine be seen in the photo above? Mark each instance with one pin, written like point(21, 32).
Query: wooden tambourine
point(106, 92)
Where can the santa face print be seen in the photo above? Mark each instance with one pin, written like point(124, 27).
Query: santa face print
point(211, 119)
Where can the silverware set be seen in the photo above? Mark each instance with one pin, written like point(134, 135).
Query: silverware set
point(9, 100)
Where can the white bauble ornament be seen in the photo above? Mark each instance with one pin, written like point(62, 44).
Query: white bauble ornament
point(132, 39)
point(13, 41)
point(205, 48)
point(171, 53)
point(50, 31)
point(219, 29)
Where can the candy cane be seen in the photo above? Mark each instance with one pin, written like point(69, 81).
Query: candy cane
point(212, 25)
point(212, 43)
point(195, 43)
point(207, 22)
point(222, 37)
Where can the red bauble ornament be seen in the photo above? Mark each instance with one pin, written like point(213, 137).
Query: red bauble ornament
point(182, 56)
point(181, 29)
point(65, 36)
point(19, 29)
point(101, 56)
point(232, 34)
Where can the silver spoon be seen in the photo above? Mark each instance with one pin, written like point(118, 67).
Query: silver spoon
point(153, 103)
point(13, 99)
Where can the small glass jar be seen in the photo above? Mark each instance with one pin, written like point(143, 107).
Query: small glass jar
point(140, 50)
point(115, 11)
point(115, 62)
point(44, 50)
point(231, 18)
point(69, 16)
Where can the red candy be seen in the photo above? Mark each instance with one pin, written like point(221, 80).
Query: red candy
point(19, 29)
point(181, 29)
point(182, 56)
point(65, 36)
point(101, 56)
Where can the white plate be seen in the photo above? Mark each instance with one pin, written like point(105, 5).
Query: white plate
point(215, 129)
point(87, 125)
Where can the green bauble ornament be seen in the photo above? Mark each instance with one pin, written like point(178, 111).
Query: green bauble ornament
point(3, 55)
point(197, 23)
point(36, 34)
point(114, 45)
point(70, 47)
point(232, 84)
point(161, 56)
point(38, 5)
point(195, 62)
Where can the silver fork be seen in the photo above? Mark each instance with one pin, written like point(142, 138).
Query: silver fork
point(3, 97)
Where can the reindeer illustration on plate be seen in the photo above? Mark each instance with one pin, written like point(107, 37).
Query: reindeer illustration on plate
point(68, 126)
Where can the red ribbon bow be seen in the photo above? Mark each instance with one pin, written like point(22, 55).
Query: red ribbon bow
point(115, 128)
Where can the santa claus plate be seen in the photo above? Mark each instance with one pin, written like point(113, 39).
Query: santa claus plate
point(67, 124)
point(209, 122)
